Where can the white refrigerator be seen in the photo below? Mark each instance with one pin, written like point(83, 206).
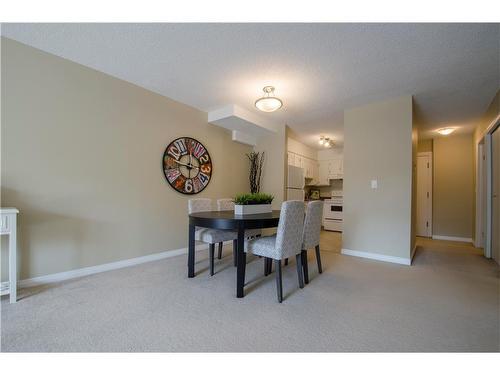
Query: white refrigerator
point(295, 183)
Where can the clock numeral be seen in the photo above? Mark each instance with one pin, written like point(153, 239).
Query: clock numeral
point(204, 159)
point(188, 186)
point(174, 152)
point(198, 150)
point(203, 178)
point(197, 184)
point(172, 174)
point(206, 168)
point(181, 146)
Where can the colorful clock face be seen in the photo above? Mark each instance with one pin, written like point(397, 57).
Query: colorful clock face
point(187, 165)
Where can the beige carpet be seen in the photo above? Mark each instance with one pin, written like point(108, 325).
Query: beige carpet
point(447, 301)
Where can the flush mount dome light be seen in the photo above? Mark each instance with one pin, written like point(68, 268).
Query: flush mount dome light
point(445, 131)
point(268, 103)
point(325, 141)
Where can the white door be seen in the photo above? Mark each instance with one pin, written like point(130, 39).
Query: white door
point(424, 194)
point(495, 201)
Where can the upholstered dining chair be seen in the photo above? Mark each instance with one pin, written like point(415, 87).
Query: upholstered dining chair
point(310, 238)
point(227, 204)
point(285, 243)
point(208, 235)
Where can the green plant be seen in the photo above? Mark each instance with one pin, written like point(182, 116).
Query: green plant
point(253, 198)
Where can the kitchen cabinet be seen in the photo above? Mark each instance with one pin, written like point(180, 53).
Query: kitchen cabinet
point(323, 174)
point(330, 170)
point(335, 169)
point(310, 166)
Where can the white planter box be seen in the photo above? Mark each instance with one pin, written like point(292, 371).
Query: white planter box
point(250, 209)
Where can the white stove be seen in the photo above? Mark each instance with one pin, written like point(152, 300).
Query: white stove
point(333, 215)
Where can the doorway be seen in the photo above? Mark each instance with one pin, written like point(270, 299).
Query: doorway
point(424, 194)
point(495, 191)
point(481, 193)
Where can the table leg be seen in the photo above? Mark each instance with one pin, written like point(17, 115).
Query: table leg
point(13, 263)
point(242, 260)
point(191, 251)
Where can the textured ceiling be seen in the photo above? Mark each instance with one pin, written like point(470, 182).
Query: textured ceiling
point(452, 70)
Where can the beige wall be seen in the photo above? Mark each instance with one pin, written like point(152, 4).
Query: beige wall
point(482, 124)
point(81, 158)
point(378, 145)
point(425, 145)
point(414, 152)
point(453, 189)
point(491, 113)
point(301, 149)
point(273, 174)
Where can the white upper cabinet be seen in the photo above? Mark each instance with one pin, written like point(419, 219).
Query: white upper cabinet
point(319, 166)
point(323, 173)
point(310, 166)
point(335, 168)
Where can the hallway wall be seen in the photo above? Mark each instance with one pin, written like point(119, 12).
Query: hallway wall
point(453, 191)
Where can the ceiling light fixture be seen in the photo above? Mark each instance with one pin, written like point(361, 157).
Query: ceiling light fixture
point(446, 131)
point(325, 141)
point(268, 103)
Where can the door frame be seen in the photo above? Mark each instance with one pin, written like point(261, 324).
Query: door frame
point(480, 232)
point(428, 154)
point(487, 139)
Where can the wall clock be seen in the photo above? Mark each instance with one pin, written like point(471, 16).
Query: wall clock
point(187, 165)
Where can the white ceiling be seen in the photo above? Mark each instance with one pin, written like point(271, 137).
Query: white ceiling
point(452, 70)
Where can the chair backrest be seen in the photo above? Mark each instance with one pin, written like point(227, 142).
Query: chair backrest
point(312, 224)
point(290, 229)
point(225, 204)
point(199, 205)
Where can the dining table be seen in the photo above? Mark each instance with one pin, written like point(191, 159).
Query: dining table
point(228, 220)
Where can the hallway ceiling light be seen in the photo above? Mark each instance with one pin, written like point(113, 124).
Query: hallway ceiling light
point(446, 131)
point(268, 103)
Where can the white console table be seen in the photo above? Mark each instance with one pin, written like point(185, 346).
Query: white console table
point(9, 226)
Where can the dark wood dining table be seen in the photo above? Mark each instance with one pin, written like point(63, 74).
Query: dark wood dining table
point(228, 220)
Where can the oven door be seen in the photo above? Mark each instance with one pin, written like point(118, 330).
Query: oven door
point(334, 212)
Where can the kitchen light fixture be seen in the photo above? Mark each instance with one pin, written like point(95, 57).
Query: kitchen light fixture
point(325, 141)
point(446, 131)
point(268, 103)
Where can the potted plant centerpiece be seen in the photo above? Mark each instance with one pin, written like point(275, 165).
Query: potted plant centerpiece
point(252, 203)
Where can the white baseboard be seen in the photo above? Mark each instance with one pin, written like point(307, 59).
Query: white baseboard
point(4, 288)
point(375, 256)
point(452, 238)
point(61, 276)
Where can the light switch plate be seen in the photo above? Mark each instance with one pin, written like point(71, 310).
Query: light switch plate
point(374, 184)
